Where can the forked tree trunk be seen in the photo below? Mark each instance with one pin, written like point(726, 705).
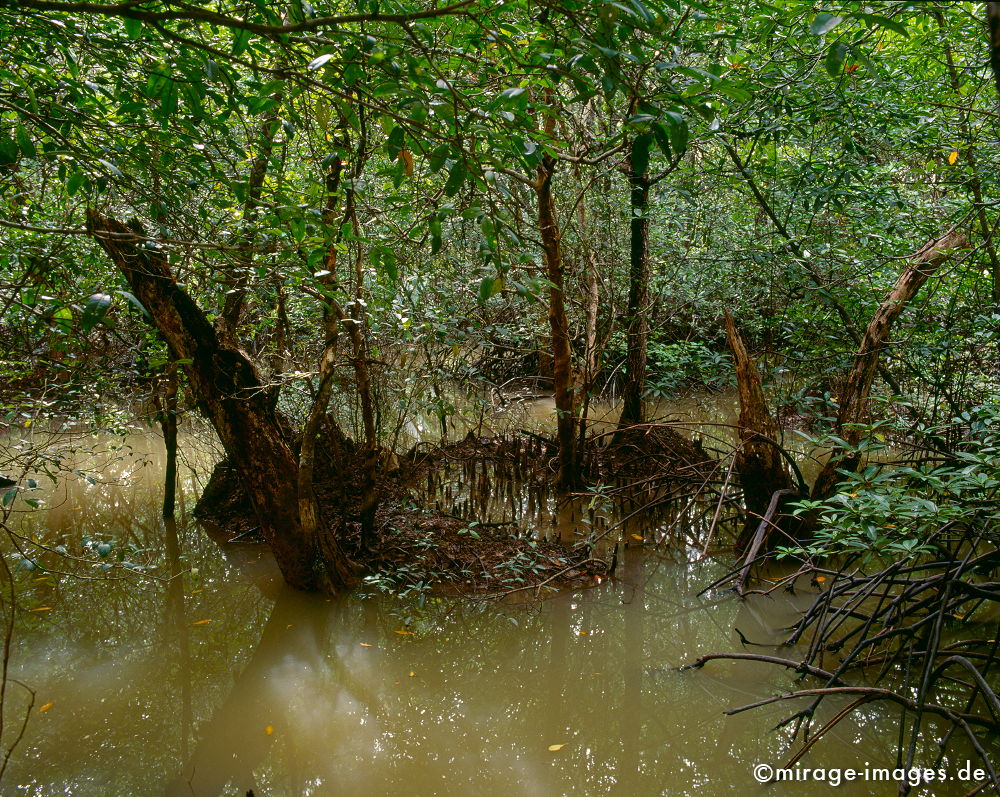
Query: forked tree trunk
point(758, 459)
point(854, 397)
point(637, 334)
point(232, 396)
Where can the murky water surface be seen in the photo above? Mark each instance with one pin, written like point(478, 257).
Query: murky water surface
point(198, 674)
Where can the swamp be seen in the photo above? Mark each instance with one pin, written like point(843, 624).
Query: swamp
point(571, 397)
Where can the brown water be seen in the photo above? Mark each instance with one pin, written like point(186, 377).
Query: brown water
point(218, 680)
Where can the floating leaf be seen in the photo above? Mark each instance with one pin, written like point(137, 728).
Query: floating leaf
point(43, 708)
point(366, 644)
point(403, 633)
point(638, 537)
point(269, 730)
point(583, 633)
point(412, 673)
point(201, 622)
point(43, 609)
point(553, 748)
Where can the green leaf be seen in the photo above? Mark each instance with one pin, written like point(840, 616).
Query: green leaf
point(662, 138)
point(678, 131)
point(879, 21)
point(835, 58)
point(435, 228)
point(241, 39)
point(110, 167)
point(824, 22)
point(319, 61)
point(8, 497)
point(74, 181)
point(130, 298)
point(133, 27)
point(389, 264)
point(63, 319)
point(94, 311)
point(456, 177)
point(24, 142)
point(640, 153)
point(9, 151)
point(490, 286)
point(395, 142)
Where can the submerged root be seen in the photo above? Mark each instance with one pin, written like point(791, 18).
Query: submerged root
point(407, 547)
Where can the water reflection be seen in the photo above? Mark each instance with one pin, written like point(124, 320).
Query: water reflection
point(212, 680)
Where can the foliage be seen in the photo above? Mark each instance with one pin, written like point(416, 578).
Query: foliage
point(890, 512)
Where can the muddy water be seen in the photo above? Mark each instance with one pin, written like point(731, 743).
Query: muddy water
point(202, 676)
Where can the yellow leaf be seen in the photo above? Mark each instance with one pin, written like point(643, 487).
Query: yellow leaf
point(269, 730)
point(403, 633)
point(583, 633)
point(637, 537)
point(366, 644)
point(201, 622)
point(45, 708)
point(412, 673)
point(555, 747)
point(43, 609)
point(952, 158)
point(821, 579)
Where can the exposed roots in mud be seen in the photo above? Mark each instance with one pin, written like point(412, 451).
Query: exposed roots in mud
point(433, 526)
point(920, 634)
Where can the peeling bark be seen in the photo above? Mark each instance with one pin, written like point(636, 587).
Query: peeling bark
point(758, 459)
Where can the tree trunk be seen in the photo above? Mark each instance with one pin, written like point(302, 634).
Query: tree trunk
point(232, 396)
point(167, 416)
point(758, 458)
point(854, 396)
point(228, 322)
point(637, 335)
point(562, 372)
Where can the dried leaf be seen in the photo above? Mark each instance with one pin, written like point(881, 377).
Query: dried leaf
point(269, 730)
point(201, 622)
point(403, 633)
point(407, 157)
point(412, 673)
point(638, 537)
point(555, 747)
point(46, 707)
point(583, 633)
point(366, 644)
